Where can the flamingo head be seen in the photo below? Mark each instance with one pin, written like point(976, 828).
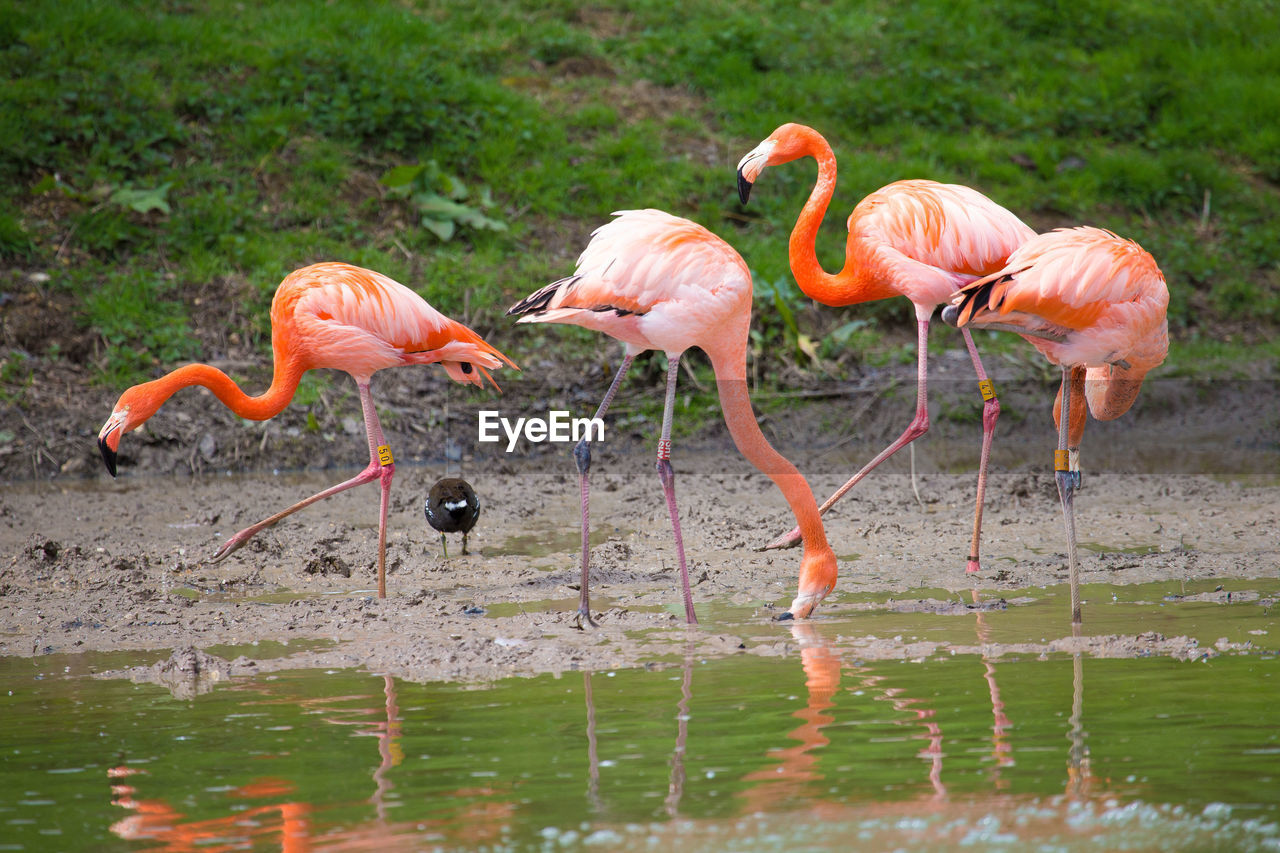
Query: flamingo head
point(817, 578)
point(133, 408)
point(789, 142)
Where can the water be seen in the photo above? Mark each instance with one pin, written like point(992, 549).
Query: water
point(816, 749)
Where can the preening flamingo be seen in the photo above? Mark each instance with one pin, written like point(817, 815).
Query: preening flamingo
point(656, 281)
point(1092, 303)
point(918, 239)
point(326, 315)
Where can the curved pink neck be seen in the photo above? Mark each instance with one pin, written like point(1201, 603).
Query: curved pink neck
point(858, 281)
point(735, 403)
point(266, 405)
point(1111, 391)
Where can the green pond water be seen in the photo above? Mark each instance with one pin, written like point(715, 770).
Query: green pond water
point(813, 750)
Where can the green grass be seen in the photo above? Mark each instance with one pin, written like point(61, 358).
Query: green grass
point(151, 148)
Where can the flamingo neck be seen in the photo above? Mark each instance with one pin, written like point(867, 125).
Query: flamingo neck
point(735, 403)
point(861, 279)
point(266, 405)
point(1111, 391)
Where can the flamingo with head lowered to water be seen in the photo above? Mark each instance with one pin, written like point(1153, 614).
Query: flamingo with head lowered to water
point(326, 315)
point(656, 281)
point(1093, 303)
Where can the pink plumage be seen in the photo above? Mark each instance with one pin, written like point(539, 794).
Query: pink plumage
point(331, 315)
point(651, 280)
point(919, 239)
point(1093, 303)
point(656, 281)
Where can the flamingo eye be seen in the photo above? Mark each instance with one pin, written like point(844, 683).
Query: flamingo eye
point(466, 367)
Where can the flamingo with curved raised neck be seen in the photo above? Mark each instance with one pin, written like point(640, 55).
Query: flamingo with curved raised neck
point(918, 239)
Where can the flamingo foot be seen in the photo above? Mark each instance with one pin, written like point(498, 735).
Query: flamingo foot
point(235, 543)
point(787, 540)
point(582, 620)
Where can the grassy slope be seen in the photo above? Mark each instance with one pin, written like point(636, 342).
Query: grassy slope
point(152, 149)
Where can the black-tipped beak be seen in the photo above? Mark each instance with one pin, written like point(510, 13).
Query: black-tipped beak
point(108, 456)
point(785, 616)
point(744, 188)
point(951, 314)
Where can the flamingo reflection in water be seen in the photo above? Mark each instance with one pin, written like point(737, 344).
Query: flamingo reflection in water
point(476, 815)
point(798, 765)
point(1001, 748)
point(676, 779)
point(156, 820)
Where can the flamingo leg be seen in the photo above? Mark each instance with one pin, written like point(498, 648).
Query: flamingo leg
point(1066, 491)
point(919, 426)
point(667, 476)
point(990, 413)
point(582, 456)
point(375, 470)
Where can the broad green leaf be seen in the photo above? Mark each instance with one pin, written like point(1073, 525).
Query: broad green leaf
point(143, 200)
point(442, 228)
point(401, 176)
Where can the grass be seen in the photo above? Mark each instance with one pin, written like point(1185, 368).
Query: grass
point(152, 148)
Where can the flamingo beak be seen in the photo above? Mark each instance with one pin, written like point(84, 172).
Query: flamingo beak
point(744, 187)
point(109, 440)
point(108, 455)
point(750, 167)
point(805, 603)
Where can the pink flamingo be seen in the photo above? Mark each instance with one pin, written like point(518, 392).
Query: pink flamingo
point(1094, 304)
point(326, 315)
point(918, 239)
point(655, 281)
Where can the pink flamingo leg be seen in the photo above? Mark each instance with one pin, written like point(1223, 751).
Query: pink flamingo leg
point(1066, 492)
point(990, 413)
point(374, 471)
point(667, 476)
point(582, 456)
point(919, 426)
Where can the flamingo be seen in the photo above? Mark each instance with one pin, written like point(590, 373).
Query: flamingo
point(919, 239)
point(326, 315)
point(1092, 303)
point(656, 281)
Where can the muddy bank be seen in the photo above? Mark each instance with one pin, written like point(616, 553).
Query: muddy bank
point(97, 564)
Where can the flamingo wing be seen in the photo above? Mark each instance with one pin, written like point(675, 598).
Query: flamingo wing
point(361, 321)
point(953, 229)
point(1103, 294)
point(647, 278)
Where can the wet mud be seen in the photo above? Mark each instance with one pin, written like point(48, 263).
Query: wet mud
point(100, 564)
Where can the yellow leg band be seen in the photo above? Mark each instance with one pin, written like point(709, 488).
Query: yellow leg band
point(988, 389)
point(1061, 460)
point(384, 455)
